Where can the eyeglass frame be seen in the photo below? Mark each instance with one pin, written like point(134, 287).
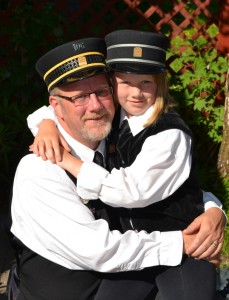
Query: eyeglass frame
point(73, 99)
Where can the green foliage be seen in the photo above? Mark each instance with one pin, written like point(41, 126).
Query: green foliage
point(197, 82)
point(199, 76)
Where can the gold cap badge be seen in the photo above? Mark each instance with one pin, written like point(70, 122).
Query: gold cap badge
point(82, 61)
point(137, 52)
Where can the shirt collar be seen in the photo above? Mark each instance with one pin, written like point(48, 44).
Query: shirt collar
point(137, 123)
point(79, 150)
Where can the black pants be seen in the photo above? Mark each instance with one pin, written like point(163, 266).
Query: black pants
point(192, 280)
point(41, 279)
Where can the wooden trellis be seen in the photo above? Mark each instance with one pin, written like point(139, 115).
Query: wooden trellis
point(98, 17)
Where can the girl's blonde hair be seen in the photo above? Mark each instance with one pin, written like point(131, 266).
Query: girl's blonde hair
point(163, 100)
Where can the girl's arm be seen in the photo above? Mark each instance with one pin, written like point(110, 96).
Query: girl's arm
point(48, 139)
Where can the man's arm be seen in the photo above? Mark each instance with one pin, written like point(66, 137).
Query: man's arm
point(209, 228)
point(50, 219)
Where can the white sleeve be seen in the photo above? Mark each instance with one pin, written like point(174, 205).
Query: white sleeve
point(50, 219)
point(157, 172)
point(210, 201)
point(34, 119)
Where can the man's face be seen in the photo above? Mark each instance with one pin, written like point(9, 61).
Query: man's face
point(88, 123)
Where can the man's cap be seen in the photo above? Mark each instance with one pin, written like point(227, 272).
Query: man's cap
point(139, 52)
point(73, 61)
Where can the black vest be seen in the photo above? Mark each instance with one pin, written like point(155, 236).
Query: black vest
point(176, 211)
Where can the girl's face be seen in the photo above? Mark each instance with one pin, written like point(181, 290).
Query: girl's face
point(134, 92)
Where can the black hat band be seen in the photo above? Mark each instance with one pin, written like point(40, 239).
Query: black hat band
point(71, 65)
point(136, 53)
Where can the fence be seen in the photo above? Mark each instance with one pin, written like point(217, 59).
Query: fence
point(98, 17)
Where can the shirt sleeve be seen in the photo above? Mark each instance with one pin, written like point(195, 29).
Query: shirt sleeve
point(34, 119)
point(158, 171)
point(210, 201)
point(50, 219)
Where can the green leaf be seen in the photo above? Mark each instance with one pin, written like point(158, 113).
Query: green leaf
point(201, 41)
point(177, 65)
point(212, 30)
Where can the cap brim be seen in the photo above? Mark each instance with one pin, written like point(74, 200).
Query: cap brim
point(134, 68)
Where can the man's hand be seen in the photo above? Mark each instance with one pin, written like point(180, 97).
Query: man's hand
point(209, 230)
point(189, 240)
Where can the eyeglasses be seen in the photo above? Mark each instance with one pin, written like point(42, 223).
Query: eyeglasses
point(83, 99)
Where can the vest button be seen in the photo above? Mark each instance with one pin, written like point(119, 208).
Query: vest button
point(85, 201)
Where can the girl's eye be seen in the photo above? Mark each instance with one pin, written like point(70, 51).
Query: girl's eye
point(146, 82)
point(124, 83)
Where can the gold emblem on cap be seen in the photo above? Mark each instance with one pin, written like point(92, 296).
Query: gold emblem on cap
point(82, 61)
point(137, 52)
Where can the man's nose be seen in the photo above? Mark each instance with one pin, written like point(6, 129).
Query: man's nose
point(94, 102)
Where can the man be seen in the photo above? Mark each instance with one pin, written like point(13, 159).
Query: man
point(66, 247)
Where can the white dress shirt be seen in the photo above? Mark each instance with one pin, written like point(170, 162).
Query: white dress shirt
point(51, 219)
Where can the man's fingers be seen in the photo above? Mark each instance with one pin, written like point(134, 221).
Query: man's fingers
point(210, 252)
point(215, 260)
point(193, 227)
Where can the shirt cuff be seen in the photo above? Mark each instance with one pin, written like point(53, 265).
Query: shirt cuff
point(210, 201)
point(171, 251)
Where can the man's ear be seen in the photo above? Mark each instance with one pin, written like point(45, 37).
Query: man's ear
point(53, 101)
point(56, 105)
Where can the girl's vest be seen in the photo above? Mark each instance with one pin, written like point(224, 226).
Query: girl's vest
point(173, 213)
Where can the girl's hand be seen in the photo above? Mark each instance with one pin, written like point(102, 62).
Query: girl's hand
point(47, 142)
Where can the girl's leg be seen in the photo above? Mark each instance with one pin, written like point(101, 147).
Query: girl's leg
point(137, 285)
point(192, 280)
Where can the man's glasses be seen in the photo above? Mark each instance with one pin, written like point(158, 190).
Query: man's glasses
point(83, 99)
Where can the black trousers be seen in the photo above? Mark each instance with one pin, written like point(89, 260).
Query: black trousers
point(41, 279)
point(192, 280)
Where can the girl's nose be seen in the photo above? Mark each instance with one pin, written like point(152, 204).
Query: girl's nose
point(136, 91)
